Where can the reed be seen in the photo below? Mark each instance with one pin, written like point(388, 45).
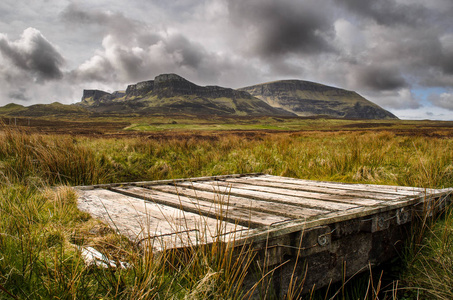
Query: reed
point(40, 225)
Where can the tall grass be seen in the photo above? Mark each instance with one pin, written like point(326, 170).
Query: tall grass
point(429, 258)
point(40, 232)
point(30, 158)
point(39, 226)
point(36, 261)
point(380, 158)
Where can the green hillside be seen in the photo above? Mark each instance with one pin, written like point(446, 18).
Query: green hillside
point(306, 98)
point(38, 110)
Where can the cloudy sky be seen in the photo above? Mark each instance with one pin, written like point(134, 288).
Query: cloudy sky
point(396, 53)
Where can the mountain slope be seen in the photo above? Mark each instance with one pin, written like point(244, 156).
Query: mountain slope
point(172, 94)
point(39, 110)
point(306, 98)
point(11, 108)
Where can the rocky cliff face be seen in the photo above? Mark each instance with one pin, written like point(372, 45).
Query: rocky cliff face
point(90, 96)
point(141, 88)
point(306, 98)
point(172, 94)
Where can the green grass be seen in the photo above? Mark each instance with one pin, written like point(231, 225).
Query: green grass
point(216, 123)
point(266, 123)
point(40, 227)
point(182, 127)
point(11, 108)
point(380, 158)
point(429, 273)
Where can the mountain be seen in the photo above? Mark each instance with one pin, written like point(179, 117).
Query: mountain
point(11, 108)
point(172, 94)
point(306, 98)
point(39, 110)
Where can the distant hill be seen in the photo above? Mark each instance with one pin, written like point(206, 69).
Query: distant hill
point(172, 94)
point(40, 110)
point(11, 108)
point(306, 98)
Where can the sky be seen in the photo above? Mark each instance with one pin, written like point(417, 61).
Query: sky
point(396, 53)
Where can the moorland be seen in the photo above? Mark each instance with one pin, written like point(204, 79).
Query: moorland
point(41, 227)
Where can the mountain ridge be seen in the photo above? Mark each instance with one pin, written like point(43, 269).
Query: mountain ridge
point(306, 98)
point(171, 94)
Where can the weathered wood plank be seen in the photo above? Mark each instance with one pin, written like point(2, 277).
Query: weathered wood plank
point(163, 181)
point(396, 190)
point(300, 201)
point(245, 217)
point(296, 193)
point(138, 220)
point(279, 209)
point(316, 189)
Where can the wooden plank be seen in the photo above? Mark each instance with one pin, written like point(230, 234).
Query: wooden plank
point(138, 219)
point(316, 189)
point(296, 193)
point(163, 181)
point(244, 217)
point(299, 201)
point(279, 209)
point(164, 215)
point(410, 190)
point(396, 190)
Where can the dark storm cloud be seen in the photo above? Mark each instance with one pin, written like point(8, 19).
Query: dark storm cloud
point(446, 60)
point(402, 44)
point(380, 78)
point(115, 23)
point(277, 28)
point(423, 53)
point(191, 54)
point(138, 60)
point(19, 94)
point(387, 12)
point(134, 50)
point(33, 53)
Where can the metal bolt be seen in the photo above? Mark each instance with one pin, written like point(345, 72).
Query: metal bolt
point(323, 240)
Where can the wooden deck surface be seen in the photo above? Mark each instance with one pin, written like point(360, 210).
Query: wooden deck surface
point(177, 213)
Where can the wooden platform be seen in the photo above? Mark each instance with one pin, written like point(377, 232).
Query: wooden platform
point(280, 214)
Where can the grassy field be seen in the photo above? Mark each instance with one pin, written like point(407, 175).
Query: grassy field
point(121, 125)
point(40, 226)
